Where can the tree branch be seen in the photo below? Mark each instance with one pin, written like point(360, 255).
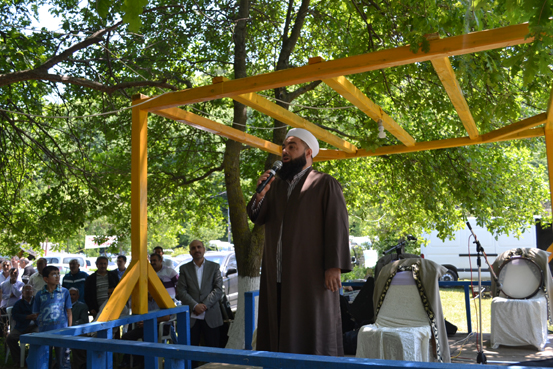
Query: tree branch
point(289, 43)
point(300, 91)
point(95, 38)
point(38, 75)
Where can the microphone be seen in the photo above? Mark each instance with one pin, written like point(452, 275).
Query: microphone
point(276, 167)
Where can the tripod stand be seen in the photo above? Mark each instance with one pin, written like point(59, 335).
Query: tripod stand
point(480, 357)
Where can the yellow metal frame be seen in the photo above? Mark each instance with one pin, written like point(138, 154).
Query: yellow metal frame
point(141, 277)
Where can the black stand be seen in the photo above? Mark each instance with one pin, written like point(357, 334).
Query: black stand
point(480, 357)
point(400, 247)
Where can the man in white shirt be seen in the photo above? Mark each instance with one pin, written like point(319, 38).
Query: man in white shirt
point(36, 280)
point(167, 275)
point(11, 289)
point(200, 286)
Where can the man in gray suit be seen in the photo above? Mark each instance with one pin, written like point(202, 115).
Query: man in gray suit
point(200, 286)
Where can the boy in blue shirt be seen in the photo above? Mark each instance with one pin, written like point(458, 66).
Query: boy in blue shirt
point(53, 306)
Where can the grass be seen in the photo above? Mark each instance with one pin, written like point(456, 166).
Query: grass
point(453, 306)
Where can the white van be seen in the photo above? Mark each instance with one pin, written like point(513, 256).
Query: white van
point(454, 254)
point(64, 259)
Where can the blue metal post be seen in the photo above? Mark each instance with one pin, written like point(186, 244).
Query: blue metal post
point(150, 335)
point(38, 357)
point(174, 364)
point(249, 317)
point(183, 330)
point(467, 307)
point(97, 359)
point(106, 333)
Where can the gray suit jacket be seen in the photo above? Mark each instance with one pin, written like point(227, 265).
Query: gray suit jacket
point(188, 291)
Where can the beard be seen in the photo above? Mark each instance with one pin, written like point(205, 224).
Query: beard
point(291, 168)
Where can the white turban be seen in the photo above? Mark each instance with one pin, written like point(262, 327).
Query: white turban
point(307, 137)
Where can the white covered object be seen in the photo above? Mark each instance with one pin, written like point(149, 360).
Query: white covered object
point(409, 344)
point(519, 322)
point(402, 328)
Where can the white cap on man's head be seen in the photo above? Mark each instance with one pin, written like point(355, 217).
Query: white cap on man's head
point(307, 137)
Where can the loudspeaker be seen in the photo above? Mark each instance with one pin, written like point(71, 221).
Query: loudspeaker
point(362, 308)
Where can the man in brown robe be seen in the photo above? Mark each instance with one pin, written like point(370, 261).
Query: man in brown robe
point(306, 250)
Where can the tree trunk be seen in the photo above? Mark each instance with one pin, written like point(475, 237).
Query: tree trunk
point(247, 244)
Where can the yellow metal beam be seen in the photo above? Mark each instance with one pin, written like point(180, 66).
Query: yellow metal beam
point(425, 146)
point(367, 106)
point(121, 294)
point(549, 124)
point(515, 128)
point(549, 151)
point(208, 125)
point(139, 206)
point(442, 48)
point(269, 108)
point(449, 81)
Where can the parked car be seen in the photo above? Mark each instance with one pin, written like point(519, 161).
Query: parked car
point(64, 269)
point(64, 259)
point(229, 272)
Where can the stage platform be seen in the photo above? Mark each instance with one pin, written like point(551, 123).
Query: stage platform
point(467, 355)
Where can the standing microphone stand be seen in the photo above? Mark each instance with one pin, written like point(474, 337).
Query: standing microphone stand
point(480, 357)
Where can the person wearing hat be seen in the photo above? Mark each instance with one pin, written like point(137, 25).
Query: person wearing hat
point(306, 250)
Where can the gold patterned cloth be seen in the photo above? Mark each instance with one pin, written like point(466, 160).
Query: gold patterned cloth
point(426, 274)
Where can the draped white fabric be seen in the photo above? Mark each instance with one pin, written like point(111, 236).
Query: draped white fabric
point(402, 328)
point(519, 322)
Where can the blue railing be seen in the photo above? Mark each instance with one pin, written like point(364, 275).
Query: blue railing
point(100, 350)
point(39, 342)
point(176, 356)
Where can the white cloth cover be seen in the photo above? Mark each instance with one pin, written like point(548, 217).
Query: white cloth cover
point(409, 344)
point(519, 322)
point(402, 328)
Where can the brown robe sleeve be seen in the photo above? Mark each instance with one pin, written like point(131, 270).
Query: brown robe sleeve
point(336, 229)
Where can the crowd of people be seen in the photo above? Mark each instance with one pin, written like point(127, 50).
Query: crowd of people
point(45, 301)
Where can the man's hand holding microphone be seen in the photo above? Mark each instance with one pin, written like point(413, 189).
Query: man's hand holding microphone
point(265, 180)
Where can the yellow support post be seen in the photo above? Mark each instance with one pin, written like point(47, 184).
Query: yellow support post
point(139, 208)
point(446, 74)
point(425, 146)
point(157, 290)
point(442, 48)
point(351, 93)
point(120, 295)
point(549, 144)
point(208, 125)
point(517, 127)
point(269, 108)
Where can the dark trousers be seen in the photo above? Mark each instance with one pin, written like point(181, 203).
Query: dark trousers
point(202, 330)
point(210, 335)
